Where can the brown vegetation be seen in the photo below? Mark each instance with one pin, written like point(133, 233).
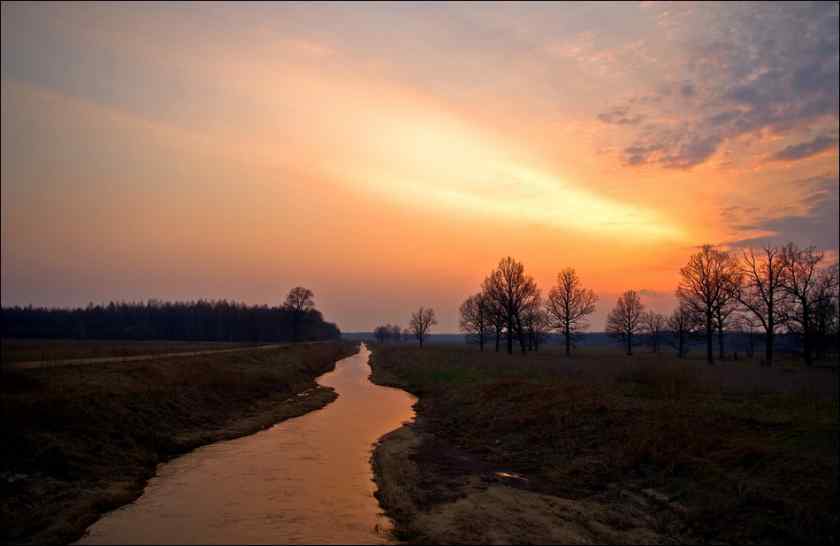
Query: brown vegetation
point(80, 440)
point(605, 448)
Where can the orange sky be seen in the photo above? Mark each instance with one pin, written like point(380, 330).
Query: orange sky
point(387, 156)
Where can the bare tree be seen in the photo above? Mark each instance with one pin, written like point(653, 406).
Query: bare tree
point(624, 321)
point(475, 317)
point(826, 308)
point(568, 306)
point(681, 324)
point(761, 293)
point(387, 332)
point(421, 322)
point(512, 292)
point(653, 324)
point(380, 333)
point(706, 280)
point(724, 311)
point(535, 322)
point(299, 301)
point(747, 325)
point(496, 316)
point(801, 282)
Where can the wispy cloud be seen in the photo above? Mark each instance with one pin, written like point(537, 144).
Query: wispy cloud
point(773, 69)
point(814, 223)
point(805, 150)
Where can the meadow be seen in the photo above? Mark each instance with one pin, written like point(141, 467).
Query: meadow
point(79, 440)
point(608, 448)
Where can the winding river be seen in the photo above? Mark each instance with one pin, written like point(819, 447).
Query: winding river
point(305, 480)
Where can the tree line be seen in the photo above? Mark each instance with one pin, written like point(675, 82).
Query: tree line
point(419, 325)
point(509, 308)
point(296, 319)
point(758, 292)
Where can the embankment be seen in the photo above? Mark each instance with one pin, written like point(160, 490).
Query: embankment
point(544, 449)
point(78, 441)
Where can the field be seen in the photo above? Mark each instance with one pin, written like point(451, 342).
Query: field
point(79, 440)
point(607, 448)
point(50, 350)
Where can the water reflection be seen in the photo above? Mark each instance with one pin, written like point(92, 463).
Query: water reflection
point(306, 480)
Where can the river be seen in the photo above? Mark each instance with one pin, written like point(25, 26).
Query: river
point(305, 480)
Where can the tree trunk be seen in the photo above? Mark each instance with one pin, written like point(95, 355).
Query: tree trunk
point(768, 348)
point(510, 335)
point(498, 336)
point(710, 357)
point(629, 344)
point(568, 341)
point(680, 344)
point(720, 342)
point(806, 335)
point(520, 335)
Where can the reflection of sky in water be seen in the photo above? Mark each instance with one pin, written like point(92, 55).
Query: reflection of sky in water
point(306, 480)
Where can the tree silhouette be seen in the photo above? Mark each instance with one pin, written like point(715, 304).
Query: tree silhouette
point(681, 324)
point(568, 306)
point(299, 301)
point(624, 321)
point(762, 294)
point(653, 324)
point(475, 317)
point(805, 283)
point(421, 322)
point(511, 291)
point(707, 281)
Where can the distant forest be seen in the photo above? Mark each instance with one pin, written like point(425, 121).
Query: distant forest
point(296, 320)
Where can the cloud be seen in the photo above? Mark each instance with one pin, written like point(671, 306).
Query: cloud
point(741, 70)
point(816, 225)
point(620, 116)
point(805, 149)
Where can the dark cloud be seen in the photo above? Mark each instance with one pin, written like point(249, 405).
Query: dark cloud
point(762, 67)
point(805, 149)
point(818, 225)
point(620, 116)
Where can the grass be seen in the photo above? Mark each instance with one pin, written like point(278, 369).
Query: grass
point(47, 350)
point(751, 452)
point(80, 440)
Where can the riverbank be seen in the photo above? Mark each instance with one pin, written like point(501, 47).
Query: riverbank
point(79, 441)
point(542, 449)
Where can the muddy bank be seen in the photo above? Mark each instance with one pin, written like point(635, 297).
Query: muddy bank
point(457, 500)
point(517, 450)
point(80, 441)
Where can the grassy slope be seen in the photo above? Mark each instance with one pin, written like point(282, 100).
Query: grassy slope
point(732, 464)
point(81, 440)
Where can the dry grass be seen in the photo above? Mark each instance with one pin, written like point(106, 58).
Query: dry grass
point(750, 452)
point(79, 440)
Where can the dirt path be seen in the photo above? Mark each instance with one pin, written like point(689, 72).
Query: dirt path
point(134, 358)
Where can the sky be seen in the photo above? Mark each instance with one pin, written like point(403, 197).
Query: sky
point(388, 155)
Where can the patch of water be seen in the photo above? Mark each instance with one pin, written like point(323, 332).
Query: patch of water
point(306, 480)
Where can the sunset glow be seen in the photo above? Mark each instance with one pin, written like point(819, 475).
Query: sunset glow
point(183, 151)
